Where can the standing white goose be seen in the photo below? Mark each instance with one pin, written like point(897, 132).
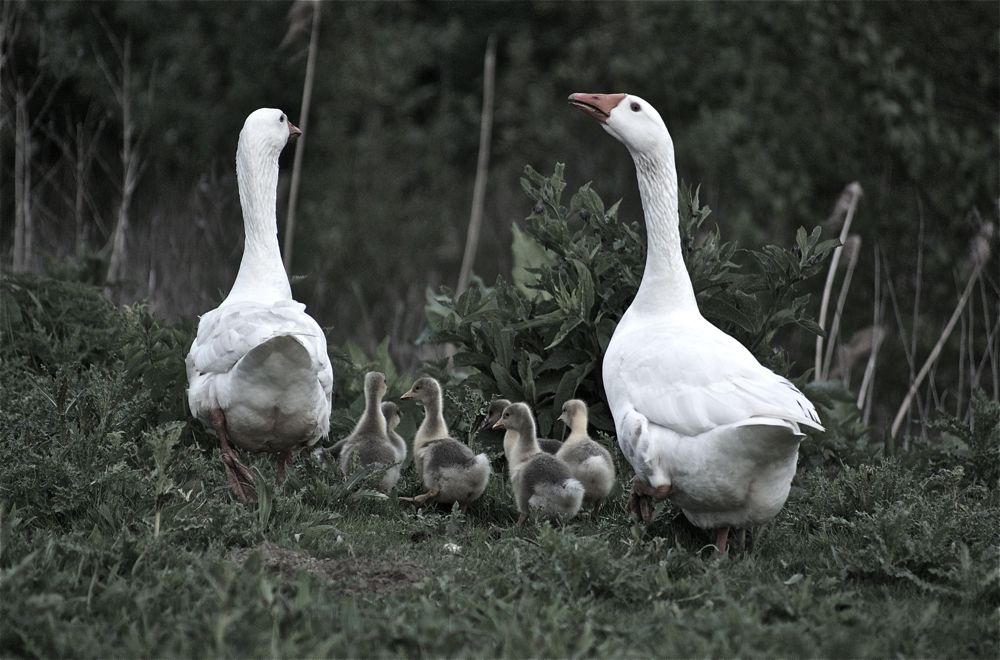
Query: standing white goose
point(258, 370)
point(699, 419)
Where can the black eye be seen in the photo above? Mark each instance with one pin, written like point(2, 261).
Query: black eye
point(282, 118)
point(635, 107)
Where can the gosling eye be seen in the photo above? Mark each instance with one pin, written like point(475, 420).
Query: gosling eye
point(635, 107)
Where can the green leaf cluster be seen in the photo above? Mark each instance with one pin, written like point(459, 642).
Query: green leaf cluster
point(540, 337)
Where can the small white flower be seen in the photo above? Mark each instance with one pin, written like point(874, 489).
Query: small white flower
point(452, 548)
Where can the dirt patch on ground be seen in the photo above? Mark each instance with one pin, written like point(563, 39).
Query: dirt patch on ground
point(357, 575)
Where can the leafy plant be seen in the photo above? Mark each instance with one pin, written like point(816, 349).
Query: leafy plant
point(540, 338)
point(975, 446)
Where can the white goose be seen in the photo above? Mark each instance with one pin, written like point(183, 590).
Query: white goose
point(699, 419)
point(258, 370)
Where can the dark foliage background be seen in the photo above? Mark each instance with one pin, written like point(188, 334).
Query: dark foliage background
point(773, 107)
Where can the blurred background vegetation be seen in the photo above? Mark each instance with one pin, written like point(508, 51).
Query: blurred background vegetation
point(119, 121)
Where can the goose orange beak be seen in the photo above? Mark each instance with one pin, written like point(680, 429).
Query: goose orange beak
point(293, 130)
point(499, 424)
point(598, 106)
point(408, 395)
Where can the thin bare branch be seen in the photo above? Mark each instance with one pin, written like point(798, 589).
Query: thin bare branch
point(300, 145)
point(482, 166)
point(935, 352)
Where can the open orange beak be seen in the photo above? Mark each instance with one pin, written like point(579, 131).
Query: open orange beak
point(408, 395)
point(499, 424)
point(598, 106)
point(293, 130)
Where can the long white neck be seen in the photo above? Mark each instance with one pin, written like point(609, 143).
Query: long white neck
point(665, 281)
point(262, 276)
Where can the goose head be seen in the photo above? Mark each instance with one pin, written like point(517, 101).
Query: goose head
point(375, 385)
point(517, 417)
point(391, 413)
point(424, 390)
point(628, 118)
point(267, 131)
point(493, 413)
point(574, 410)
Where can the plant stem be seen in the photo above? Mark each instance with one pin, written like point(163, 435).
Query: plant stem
point(849, 201)
point(482, 166)
point(904, 408)
point(300, 145)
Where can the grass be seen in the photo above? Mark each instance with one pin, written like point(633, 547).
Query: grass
point(118, 537)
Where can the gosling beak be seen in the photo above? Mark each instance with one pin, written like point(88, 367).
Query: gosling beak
point(293, 130)
point(487, 424)
point(598, 106)
point(562, 418)
point(408, 395)
point(499, 424)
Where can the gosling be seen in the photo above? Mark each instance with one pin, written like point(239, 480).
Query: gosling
point(448, 469)
point(370, 442)
point(590, 462)
point(542, 484)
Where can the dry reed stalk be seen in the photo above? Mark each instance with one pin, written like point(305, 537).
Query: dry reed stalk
point(482, 167)
point(992, 341)
point(904, 408)
point(300, 145)
point(901, 330)
point(961, 359)
point(846, 203)
point(918, 283)
point(853, 249)
point(868, 380)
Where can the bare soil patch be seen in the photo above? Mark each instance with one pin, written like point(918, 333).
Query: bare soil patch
point(371, 576)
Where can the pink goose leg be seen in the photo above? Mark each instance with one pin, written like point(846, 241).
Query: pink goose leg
point(240, 478)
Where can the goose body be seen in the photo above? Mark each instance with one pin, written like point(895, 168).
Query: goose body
point(265, 365)
point(696, 415)
point(258, 370)
point(542, 484)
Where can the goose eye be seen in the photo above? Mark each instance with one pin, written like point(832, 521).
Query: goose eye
point(635, 107)
point(282, 118)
